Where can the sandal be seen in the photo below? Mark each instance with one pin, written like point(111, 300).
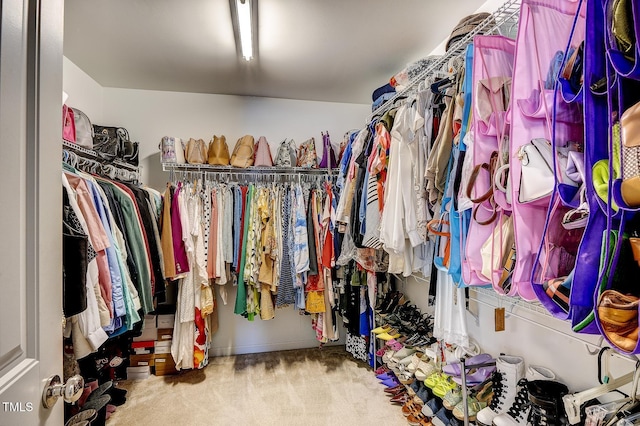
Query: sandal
point(424, 370)
point(474, 406)
point(433, 380)
point(441, 389)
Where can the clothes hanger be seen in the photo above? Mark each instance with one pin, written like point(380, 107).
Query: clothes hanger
point(439, 86)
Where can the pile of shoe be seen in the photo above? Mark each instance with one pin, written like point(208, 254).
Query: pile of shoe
point(504, 394)
point(530, 397)
point(96, 404)
point(403, 322)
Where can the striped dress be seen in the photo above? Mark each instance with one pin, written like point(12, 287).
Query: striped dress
point(285, 286)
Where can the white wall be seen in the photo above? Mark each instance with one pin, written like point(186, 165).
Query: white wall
point(150, 115)
point(84, 92)
point(531, 333)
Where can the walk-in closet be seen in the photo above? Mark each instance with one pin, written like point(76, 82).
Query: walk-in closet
point(317, 213)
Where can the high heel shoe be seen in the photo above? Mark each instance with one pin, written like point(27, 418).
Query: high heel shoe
point(390, 303)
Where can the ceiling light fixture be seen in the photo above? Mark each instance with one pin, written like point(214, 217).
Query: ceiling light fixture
point(244, 16)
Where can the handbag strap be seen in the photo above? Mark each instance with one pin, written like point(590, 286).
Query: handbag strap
point(489, 167)
point(494, 214)
point(438, 223)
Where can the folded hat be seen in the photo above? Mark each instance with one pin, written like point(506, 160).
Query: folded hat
point(465, 26)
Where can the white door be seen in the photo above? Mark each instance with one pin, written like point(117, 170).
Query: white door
point(30, 208)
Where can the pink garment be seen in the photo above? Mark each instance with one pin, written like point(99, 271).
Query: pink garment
point(97, 236)
point(179, 250)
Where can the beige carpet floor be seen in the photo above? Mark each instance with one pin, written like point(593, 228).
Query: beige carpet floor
point(303, 387)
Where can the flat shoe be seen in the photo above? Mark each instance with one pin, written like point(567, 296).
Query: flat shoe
point(88, 416)
point(434, 379)
point(477, 376)
point(453, 369)
point(381, 329)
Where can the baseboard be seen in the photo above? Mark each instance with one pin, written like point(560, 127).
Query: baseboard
point(269, 347)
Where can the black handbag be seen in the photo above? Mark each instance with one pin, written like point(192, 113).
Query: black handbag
point(108, 141)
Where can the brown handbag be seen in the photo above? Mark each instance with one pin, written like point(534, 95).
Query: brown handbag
point(243, 152)
point(618, 314)
point(219, 151)
point(196, 151)
point(630, 133)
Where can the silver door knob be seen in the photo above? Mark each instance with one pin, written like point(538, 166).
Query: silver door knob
point(54, 389)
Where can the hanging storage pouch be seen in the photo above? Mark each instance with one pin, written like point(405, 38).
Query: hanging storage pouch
point(623, 32)
point(571, 77)
point(587, 269)
point(626, 191)
point(540, 103)
point(544, 28)
point(493, 59)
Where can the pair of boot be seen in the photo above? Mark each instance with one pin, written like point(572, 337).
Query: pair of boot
point(523, 397)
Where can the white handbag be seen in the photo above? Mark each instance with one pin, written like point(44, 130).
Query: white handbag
point(537, 179)
point(172, 150)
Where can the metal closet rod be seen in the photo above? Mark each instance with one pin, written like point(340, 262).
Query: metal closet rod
point(93, 155)
point(507, 14)
point(253, 170)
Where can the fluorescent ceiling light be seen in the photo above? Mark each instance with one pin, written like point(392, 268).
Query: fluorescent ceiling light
point(245, 27)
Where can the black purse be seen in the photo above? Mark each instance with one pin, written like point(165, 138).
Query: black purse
point(108, 141)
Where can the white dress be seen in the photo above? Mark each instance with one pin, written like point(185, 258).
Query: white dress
point(450, 322)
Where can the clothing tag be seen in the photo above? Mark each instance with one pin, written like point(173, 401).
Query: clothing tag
point(499, 319)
